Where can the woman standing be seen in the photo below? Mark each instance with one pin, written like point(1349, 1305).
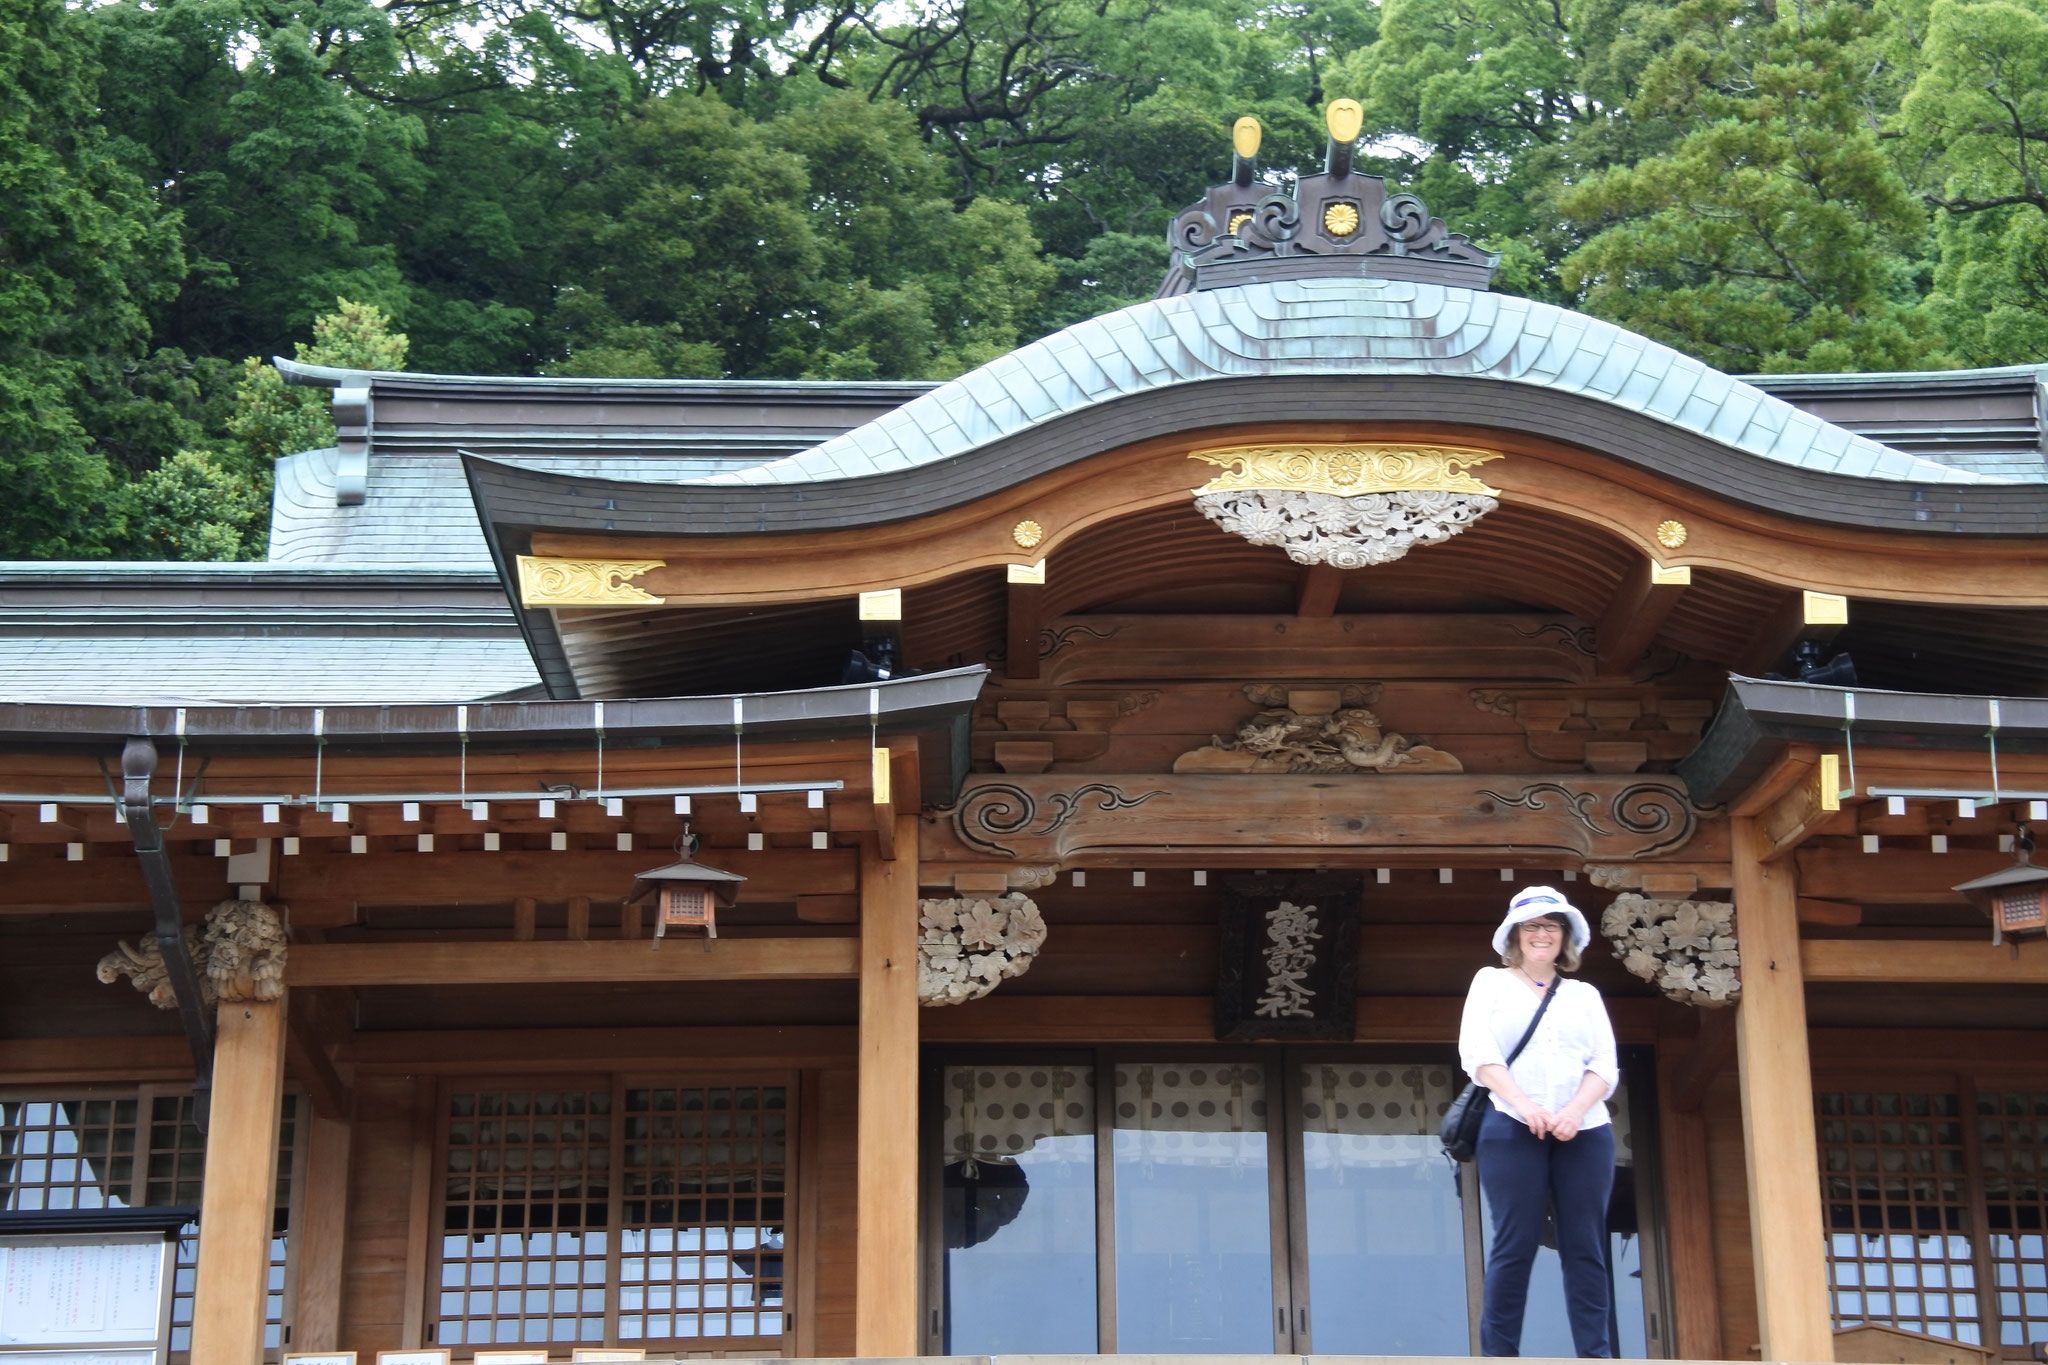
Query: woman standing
point(1546, 1137)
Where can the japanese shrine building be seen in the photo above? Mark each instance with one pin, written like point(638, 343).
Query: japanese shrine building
point(1022, 704)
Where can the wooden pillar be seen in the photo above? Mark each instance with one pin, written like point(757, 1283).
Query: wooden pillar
point(240, 1194)
point(885, 1285)
point(321, 1231)
point(1787, 1235)
point(1688, 1214)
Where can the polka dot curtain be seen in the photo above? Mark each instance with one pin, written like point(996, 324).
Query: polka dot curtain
point(994, 1112)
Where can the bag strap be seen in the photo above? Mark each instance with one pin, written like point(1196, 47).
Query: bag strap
point(1530, 1032)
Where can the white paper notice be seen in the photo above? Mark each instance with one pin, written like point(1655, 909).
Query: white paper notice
point(80, 1292)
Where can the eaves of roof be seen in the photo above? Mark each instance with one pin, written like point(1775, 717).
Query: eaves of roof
point(1759, 717)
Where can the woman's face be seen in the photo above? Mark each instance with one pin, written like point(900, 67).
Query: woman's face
point(1541, 939)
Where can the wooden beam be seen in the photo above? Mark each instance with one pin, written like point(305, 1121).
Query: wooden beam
point(1026, 619)
point(578, 923)
point(513, 1050)
point(1834, 914)
point(886, 1186)
point(240, 1190)
point(1688, 1209)
point(1637, 612)
point(1952, 962)
point(437, 964)
point(1786, 1231)
point(80, 1061)
point(1317, 590)
point(523, 914)
point(1001, 1018)
point(320, 1232)
point(773, 874)
point(1893, 876)
point(1800, 615)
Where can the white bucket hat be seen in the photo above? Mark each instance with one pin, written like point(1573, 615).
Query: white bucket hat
point(1534, 902)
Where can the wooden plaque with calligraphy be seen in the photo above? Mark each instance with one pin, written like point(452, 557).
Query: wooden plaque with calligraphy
point(1287, 966)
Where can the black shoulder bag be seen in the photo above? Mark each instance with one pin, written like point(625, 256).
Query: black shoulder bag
point(1460, 1130)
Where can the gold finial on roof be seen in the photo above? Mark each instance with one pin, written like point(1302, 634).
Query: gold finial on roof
point(1245, 135)
point(1346, 119)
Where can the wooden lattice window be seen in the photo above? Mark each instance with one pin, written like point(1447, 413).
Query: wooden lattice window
point(1896, 1185)
point(132, 1147)
point(2012, 1135)
point(643, 1214)
point(702, 1237)
point(527, 1216)
point(1896, 1181)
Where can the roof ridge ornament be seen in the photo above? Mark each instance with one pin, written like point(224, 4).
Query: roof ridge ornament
point(1339, 222)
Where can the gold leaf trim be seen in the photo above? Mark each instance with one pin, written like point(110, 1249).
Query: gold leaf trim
point(1671, 534)
point(584, 582)
point(1347, 471)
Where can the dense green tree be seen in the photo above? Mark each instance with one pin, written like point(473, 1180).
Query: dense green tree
point(1976, 122)
point(1773, 235)
point(85, 254)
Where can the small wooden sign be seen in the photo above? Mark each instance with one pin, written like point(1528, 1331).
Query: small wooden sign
point(432, 1356)
point(320, 1358)
point(612, 1353)
point(523, 1357)
point(1287, 965)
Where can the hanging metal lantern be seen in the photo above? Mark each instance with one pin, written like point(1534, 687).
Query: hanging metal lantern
point(2015, 898)
point(686, 895)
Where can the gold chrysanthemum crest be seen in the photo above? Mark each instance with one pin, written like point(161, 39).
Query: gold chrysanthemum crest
point(1347, 471)
point(1671, 534)
point(1027, 533)
point(1340, 219)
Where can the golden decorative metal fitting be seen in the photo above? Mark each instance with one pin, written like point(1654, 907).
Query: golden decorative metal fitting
point(1340, 219)
point(547, 582)
point(1244, 137)
point(1347, 471)
point(1345, 119)
point(1671, 534)
point(1027, 533)
point(1238, 220)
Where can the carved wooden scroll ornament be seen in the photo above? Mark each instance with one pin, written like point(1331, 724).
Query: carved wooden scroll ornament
point(239, 954)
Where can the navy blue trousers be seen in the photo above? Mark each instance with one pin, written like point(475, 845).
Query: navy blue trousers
point(1521, 1173)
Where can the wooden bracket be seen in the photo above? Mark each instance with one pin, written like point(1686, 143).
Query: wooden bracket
point(1787, 822)
point(1637, 612)
point(1315, 592)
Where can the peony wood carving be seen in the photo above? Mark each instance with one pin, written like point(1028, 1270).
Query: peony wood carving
point(1686, 948)
point(1325, 730)
point(969, 945)
point(239, 954)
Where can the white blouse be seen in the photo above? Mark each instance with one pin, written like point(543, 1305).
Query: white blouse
point(1574, 1038)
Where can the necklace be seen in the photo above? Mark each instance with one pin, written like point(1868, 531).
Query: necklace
point(1533, 982)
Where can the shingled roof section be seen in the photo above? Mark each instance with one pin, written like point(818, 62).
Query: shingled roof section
point(1341, 327)
point(185, 634)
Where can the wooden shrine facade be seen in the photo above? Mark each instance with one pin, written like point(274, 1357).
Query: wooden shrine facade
point(1127, 750)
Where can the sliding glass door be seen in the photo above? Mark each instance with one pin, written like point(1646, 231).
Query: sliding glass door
point(1217, 1203)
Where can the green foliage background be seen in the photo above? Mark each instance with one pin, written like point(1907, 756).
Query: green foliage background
point(859, 190)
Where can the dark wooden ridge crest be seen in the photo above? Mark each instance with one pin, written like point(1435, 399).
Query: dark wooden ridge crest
point(1340, 222)
point(1760, 717)
point(513, 502)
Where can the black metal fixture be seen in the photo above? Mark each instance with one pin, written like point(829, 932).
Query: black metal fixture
point(1812, 662)
point(2016, 899)
point(874, 661)
point(138, 765)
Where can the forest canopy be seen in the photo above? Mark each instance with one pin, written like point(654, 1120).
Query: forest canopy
point(852, 189)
